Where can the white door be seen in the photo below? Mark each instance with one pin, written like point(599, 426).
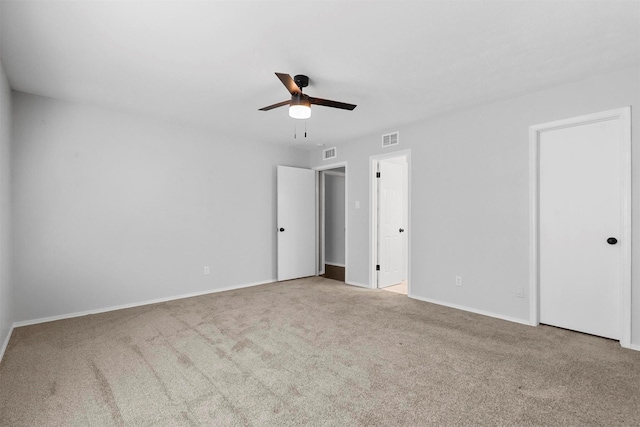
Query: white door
point(580, 209)
point(390, 224)
point(296, 223)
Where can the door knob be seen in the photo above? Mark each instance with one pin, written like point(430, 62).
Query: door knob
point(281, 229)
point(612, 240)
point(401, 230)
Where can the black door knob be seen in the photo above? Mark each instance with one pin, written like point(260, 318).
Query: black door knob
point(612, 240)
point(401, 230)
point(281, 229)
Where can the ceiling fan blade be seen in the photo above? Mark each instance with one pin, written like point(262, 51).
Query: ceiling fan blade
point(279, 104)
point(288, 82)
point(329, 103)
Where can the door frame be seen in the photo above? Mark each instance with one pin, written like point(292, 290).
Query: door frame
point(624, 115)
point(373, 217)
point(320, 228)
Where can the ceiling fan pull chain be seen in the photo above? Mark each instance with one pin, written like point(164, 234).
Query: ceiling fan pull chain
point(294, 132)
point(305, 128)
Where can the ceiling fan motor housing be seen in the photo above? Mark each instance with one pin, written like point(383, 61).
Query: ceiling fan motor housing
point(301, 80)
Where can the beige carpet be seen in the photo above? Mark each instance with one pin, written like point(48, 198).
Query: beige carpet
point(311, 352)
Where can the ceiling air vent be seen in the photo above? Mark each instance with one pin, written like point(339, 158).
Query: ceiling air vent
point(390, 139)
point(330, 153)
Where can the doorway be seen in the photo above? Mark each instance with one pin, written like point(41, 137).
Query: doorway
point(581, 235)
point(390, 217)
point(332, 224)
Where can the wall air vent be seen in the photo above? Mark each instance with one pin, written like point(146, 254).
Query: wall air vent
point(329, 153)
point(390, 139)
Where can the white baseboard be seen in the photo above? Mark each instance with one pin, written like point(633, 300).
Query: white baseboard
point(360, 285)
point(473, 310)
point(635, 347)
point(6, 342)
point(136, 304)
point(335, 264)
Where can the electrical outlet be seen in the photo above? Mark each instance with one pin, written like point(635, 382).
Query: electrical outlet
point(520, 293)
point(458, 280)
point(206, 269)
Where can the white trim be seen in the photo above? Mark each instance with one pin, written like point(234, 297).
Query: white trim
point(534, 255)
point(346, 222)
point(322, 223)
point(333, 173)
point(137, 304)
point(373, 202)
point(472, 310)
point(625, 318)
point(335, 264)
point(360, 285)
point(373, 221)
point(5, 344)
point(336, 165)
point(624, 115)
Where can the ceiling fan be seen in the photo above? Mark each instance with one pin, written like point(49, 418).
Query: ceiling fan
point(300, 103)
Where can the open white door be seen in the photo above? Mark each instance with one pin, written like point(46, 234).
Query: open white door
point(390, 224)
point(296, 223)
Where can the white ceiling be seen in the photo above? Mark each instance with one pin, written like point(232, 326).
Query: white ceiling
point(211, 63)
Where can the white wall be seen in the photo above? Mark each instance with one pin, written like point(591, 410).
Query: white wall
point(6, 303)
point(113, 209)
point(470, 194)
point(334, 219)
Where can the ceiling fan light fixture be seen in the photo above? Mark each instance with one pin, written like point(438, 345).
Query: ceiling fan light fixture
point(300, 108)
point(299, 111)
